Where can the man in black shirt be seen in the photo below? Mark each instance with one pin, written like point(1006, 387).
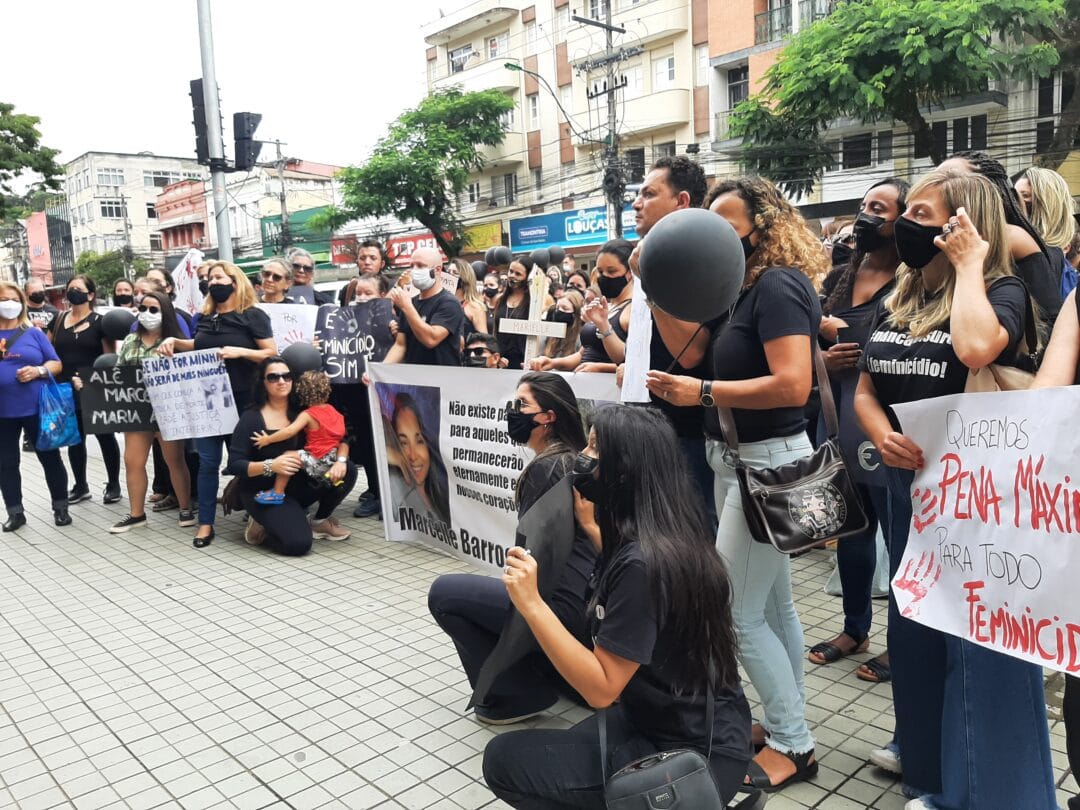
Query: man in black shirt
point(40, 312)
point(430, 326)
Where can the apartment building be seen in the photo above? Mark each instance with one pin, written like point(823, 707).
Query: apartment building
point(112, 199)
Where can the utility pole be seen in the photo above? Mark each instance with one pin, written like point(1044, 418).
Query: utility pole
point(279, 165)
point(126, 252)
point(214, 138)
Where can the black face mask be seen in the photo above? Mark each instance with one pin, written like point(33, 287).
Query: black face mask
point(77, 297)
point(513, 283)
point(37, 298)
point(612, 287)
point(868, 235)
point(204, 286)
point(841, 254)
point(123, 300)
point(475, 361)
point(519, 426)
point(558, 316)
point(915, 243)
point(491, 292)
point(747, 248)
point(584, 478)
point(221, 292)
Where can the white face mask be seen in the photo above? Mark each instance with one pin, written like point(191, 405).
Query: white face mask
point(10, 310)
point(150, 321)
point(422, 278)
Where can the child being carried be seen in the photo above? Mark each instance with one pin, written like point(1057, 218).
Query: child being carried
point(324, 427)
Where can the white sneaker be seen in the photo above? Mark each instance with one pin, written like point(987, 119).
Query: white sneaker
point(887, 758)
point(918, 804)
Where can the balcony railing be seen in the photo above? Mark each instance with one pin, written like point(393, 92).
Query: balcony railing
point(772, 25)
point(722, 126)
point(810, 11)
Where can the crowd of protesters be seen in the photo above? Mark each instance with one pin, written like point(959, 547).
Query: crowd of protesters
point(665, 593)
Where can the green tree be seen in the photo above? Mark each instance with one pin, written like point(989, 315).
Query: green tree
point(107, 268)
point(882, 60)
point(1065, 37)
point(418, 169)
point(21, 151)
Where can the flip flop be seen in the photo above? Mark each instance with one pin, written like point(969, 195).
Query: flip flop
point(880, 671)
point(831, 653)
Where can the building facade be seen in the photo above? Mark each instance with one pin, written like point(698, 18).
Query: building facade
point(112, 199)
point(181, 216)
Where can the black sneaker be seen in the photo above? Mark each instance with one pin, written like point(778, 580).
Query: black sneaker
point(111, 494)
point(187, 517)
point(368, 508)
point(128, 523)
point(61, 517)
point(77, 495)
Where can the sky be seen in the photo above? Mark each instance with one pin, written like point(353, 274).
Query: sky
point(328, 76)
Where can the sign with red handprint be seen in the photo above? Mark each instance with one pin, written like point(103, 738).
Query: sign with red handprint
point(994, 541)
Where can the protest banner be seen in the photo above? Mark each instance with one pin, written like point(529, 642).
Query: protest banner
point(191, 395)
point(292, 323)
point(447, 469)
point(994, 543)
point(114, 400)
point(352, 336)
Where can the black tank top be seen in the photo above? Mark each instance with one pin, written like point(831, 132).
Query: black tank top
point(592, 347)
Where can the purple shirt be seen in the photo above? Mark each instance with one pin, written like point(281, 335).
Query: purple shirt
point(31, 349)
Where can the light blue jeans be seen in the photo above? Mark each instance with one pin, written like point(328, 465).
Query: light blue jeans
point(771, 646)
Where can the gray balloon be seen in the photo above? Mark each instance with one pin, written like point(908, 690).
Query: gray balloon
point(489, 256)
point(116, 323)
point(541, 258)
point(302, 357)
point(480, 269)
point(503, 256)
point(556, 254)
point(104, 361)
point(692, 265)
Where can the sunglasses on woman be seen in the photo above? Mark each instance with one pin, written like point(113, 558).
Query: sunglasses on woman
point(268, 276)
point(302, 268)
point(275, 377)
point(145, 308)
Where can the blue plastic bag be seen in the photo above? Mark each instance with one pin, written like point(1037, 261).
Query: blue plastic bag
point(57, 424)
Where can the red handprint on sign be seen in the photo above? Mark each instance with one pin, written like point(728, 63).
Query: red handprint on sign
point(917, 582)
point(924, 507)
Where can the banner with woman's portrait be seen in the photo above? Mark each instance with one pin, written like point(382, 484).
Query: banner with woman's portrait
point(447, 470)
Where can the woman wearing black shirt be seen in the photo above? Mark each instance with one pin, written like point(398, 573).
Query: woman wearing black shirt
point(851, 294)
point(79, 340)
point(970, 722)
point(514, 303)
point(472, 609)
point(762, 367)
point(660, 619)
point(232, 323)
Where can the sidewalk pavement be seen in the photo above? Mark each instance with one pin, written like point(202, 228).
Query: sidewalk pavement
point(139, 672)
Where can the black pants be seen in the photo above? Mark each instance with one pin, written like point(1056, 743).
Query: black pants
point(856, 559)
point(11, 456)
point(110, 454)
point(352, 401)
point(162, 481)
point(287, 529)
point(1071, 711)
point(555, 769)
point(471, 610)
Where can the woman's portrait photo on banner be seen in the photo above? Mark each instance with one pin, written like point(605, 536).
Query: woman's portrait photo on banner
point(418, 479)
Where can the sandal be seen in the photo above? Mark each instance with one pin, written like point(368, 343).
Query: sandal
point(879, 671)
point(806, 767)
point(270, 498)
point(830, 653)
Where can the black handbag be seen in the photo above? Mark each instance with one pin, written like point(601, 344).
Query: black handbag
point(672, 780)
point(803, 503)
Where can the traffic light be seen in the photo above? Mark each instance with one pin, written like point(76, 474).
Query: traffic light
point(247, 148)
point(198, 108)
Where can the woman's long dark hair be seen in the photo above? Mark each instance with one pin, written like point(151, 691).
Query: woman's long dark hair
point(620, 249)
point(843, 283)
point(993, 171)
point(170, 327)
point(649, 499)
point(258, 391)
point(436, 485)
point(553, 393)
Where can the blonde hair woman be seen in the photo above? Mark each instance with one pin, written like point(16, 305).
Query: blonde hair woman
point(241, 332)
point(956, 307)
point(26, 358)
point(566, 310)
point(468, 296)
point(1049, 205)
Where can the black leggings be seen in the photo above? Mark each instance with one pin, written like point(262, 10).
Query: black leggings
point(287, 529)
point(10, 458)
point(110, 453)
point(1070, 709)
point(559, 769)
point(352, 401)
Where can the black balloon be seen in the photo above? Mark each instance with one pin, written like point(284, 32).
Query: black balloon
point(692, 265)
point(104, 361)
point(540, 258)
point(489, 256)
point(503, 256)
point(556, 254)
point(480, 269)
point(302, 357)
point(116, 323)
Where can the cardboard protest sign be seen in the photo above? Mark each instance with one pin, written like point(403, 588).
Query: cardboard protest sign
point(114, 400)
point(447, 469)
point(994, 544)
point(351, 337)
point(292, 323)
point(191, 395)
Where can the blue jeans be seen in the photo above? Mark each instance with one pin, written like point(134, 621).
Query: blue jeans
point(856, 560)
point(209, 450)
point(770, 636)
point(693, 450)
point(991, 748)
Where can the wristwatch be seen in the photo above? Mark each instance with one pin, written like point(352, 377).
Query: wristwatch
point(707, 400)
point(604, 335)
point(342, 459)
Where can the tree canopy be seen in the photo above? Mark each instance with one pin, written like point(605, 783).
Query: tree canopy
point(107, 268)
point(882, 60)
point(418, 169)
point(21, 151)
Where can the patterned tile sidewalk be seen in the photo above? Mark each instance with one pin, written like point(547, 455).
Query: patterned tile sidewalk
point(138, 672)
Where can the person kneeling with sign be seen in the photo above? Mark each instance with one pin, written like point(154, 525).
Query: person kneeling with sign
point(660, 618)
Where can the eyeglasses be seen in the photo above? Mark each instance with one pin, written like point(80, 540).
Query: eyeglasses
point(275, 377)
point(303, 268)
point(478, 351)
point(145, 308)
point(268, 276)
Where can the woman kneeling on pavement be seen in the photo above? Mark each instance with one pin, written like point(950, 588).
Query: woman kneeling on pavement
point(660, 618)
point(472, 608)
point(284, 527)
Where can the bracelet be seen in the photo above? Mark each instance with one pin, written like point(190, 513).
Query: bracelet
point(268, 467)
point(605, 335)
